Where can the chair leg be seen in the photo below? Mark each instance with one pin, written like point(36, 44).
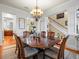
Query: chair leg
point(19, 55)
point(35, 57)
point(43, 54)
point(15, 50)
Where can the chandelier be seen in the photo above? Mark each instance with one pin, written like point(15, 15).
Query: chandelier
point(36, 12)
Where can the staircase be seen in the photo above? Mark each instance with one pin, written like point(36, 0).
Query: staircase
point(58, 26)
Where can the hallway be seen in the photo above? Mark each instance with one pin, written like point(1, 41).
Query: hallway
point(8, 41)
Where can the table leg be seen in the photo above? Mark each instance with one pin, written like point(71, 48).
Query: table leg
point(42, 50)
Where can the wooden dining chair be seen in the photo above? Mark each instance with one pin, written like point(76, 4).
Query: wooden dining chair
point(43, 34)
point(52, 34)
point(26, 34)
point(60, 54)
point(16, 37)
point(24, 52)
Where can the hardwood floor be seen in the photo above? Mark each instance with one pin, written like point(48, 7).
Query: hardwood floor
point(1, 52)
point(8, 41)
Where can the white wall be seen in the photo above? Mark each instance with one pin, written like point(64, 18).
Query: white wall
point(14, 11)
point(44, 23)
point(41, 24)
point(62, 7)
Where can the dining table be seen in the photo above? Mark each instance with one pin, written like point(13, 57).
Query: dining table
point(43, 44)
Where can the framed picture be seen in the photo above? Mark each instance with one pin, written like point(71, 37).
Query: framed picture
point(21, 23)
point(61, 15)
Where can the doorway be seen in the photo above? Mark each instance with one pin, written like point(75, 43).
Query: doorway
point(8, 25)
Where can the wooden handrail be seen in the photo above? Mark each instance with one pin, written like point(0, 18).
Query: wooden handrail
point(72, 50)
point(57, 22)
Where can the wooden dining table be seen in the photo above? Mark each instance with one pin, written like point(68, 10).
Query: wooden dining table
point(43, 44)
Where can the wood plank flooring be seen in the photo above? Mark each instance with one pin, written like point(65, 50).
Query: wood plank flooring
point(8, 41)
point(1, 52)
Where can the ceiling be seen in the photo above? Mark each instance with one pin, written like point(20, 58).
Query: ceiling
point(27, 5)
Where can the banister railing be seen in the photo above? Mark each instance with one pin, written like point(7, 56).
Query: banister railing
point(72, 50)
point(59, 27)
point(57, 22)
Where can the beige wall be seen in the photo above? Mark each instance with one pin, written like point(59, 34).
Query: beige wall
point(61, 20)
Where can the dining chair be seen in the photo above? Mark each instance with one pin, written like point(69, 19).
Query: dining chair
point(60, 53)
point(56, 47)
point(26, 35)
point(43, 34)
point(24, 52)
point(51, 35)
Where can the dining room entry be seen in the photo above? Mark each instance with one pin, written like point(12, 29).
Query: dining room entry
point(7, 27)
